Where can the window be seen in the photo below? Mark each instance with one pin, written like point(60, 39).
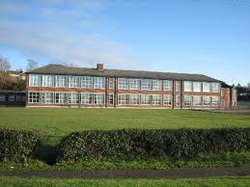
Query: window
point(157, 84)
point(215, 87)
point(187, 100)
point(146, 84)
point(145, 99)
point(60, 98)
point(2, 97)
point(87, 98)
point(205, 100)
point(122, 99)
point(74, 98)
point(187, 86)
point(48, 81)
point(35, 80)
point(196, 100)
point(61, 81)
point(206, 86)
point(167, 100)
point(48, 97)
point(167, 85)
point(34, 97)
point(74, 82)
point(156, 99)
point(111, 98)
point(99, 98)
point(197, 86)
point(177, 86)
point(87, 82)
point(177, 100)
point(11, 98)
point(123, 83)
point(134, 99)
point(99, 82)
point(215, 101)
point(134, 84)
point(111, 83)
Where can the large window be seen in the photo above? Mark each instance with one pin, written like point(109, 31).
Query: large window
point(61, 81)
point(111, 98)
point(197, 86)
point(48, 97)
point(34, 97)
point(87, 82)
point(215, 101)
point(206, 86)
point(111, 83)
point(177, 86)
point(74, 82)
point(48, 81)
point(123, 83)
point(122, 99)
point(74, 98)
point(187, 100)
point(167, 85)
point(187, 86)
point(99, 98)
point(215, 87)
point(157, 84)
point(134, 84)
point(87, 98)
point(205, 100)
point(99, 82)
point(35, 80)
point(60, 98)
point(167, 100)
point(156, 99)
point(145, 99)
point(146, 84)
point(196, 100)
point(134, 99)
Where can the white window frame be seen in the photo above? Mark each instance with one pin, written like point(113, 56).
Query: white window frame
point(123, 83)
point(34, 80)
point(157, 84)
point(134, 99)
point(111, 83)
point(196, 86)
point(167, 100)
point(215, 87)
point(123, 99)
point(167, 85)
point(156, 99)
point(146, 84)
point(206, 101)
point(99, 82)
point(188, 100)
point(48, 81)
point(61, 81)
point(177, 86)
point(145, 99)
point(197, 100)
point(206, 87)
point(87, 82)
point(74, 82)
point(188, 86)
point(134, 84)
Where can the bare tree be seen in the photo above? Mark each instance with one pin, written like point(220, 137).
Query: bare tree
point(31, 65)
point(4, 64)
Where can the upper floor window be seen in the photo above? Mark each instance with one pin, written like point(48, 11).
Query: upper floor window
point(35, 80)
point(87, 82)
point(134, 84)
point(215, 87)
point(74, 82)
point(206, 86)
point(99, 82)
point(167, 85)
point(111, 83)
point(61, 81)
point(177, 86)
point(187, 86)
point(48, 81)
point(146, 84)
point(123, 83)
point(157, 85)
point(196, 86)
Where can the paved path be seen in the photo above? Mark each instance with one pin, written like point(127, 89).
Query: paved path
point(146, 174)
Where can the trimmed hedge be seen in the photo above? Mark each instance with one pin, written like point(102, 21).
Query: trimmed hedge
point(137, 144)
point(17, 146)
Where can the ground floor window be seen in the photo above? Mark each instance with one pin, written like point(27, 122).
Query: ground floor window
point(196, 100)
point(122, 99)
point(215, 101)
point(187, 100)
point(167, 100)
point(177, 100)
point(2, 97)
point(111, 98)
point(145, 99)
point(134, 99)
point(205, 100)
point(156, 99)
point(34, 97)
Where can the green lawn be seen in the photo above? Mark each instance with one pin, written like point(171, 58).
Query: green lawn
point(221, 182)
point(60, 122)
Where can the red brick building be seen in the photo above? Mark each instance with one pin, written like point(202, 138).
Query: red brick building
point(60, 86)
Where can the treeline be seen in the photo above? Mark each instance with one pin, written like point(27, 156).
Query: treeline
point(243, 92)
point(8, 82)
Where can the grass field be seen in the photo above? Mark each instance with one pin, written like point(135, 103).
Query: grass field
point(60, 122)
point(221, 182)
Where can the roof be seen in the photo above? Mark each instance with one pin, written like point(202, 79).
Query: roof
point(57, 69)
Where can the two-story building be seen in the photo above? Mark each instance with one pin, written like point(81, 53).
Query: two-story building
point(59, 86)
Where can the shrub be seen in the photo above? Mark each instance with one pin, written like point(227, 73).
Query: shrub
point(137, 144)
point(17, 146)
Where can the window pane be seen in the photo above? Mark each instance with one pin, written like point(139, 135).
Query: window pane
point(215, 101)
point(122, 99)
point(61, 81)
point(157, 84)
point(187, 86)
point(206, 86)
point(134, 99)
point(167, 100)
point(99, 82)
point(196, 86)
point(156, 99)
point(167, 85)
point(74, 98)
point(123, 83)
point(2, 97)
point(111, 83)
point(206, 100)
point(48, 81)
point(74, 82)
point(196, 100)
point(215, 87)
point(111, 98)
point(35, 80)
point(134, 84)
point(146, 84)
point(187, 100)
point(145, 99)
point(177, 86)
point(177, 100)
point(87, 82)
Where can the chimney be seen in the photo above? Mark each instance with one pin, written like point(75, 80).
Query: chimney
point(99, 67)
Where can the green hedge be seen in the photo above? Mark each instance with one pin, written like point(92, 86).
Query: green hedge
point(17, 146)
point(136, 143)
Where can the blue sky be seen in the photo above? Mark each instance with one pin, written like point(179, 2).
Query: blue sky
point(192, 36)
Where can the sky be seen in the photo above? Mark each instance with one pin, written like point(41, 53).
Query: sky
point(210, 37)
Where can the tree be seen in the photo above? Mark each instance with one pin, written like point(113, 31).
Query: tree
point(4, 64)
point(31, 65)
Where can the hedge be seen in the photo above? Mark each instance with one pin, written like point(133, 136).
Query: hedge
point(17, 146)
point(138, 144)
